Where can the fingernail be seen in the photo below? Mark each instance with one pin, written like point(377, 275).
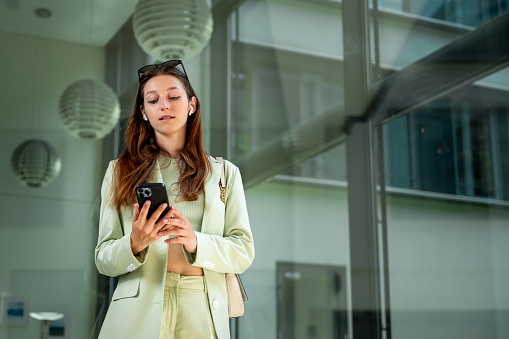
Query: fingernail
point(160, 234)
point(171, 207)
point(147, 202)
point(165, 204)
point(165, 220)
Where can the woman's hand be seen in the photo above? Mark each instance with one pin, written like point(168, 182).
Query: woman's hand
point(145, 232)
point(180, 227)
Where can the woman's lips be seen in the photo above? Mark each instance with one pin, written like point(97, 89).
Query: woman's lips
point(166, 117)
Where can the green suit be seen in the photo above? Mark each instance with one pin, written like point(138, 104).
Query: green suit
point(225, 244)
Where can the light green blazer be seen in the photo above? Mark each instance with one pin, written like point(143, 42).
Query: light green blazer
point(225, 245)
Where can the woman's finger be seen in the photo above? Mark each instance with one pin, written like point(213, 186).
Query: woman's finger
point(172, 231)
point(174, 225)
point(187, 239)
point(144, 210)
point(158, 212)
point(162, 225)
point(177, 213)
point(179, 221)
point(169, 214)
point(136, 212)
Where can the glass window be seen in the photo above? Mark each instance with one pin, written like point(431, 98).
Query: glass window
point(447, 258)
point(455, 145)
point(466, 12)
point(437, 239)
point(444, 210)
point(287, 79)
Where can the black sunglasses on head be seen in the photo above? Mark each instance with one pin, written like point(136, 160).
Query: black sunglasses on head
point(169, 63)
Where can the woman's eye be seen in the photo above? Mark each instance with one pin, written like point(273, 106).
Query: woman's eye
point(153, 101)
point(174, 98)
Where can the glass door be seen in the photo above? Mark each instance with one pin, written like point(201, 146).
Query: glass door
point(311, 301)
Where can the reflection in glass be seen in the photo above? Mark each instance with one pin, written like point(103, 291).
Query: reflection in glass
point(445, 167)
point(456, 145)
point(466, 12)
point(287, 99)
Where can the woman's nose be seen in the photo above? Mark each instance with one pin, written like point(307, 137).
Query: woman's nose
point(165, 104)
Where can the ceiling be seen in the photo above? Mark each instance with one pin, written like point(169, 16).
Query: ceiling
point(90, 22)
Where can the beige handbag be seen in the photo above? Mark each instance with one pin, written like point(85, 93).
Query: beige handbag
point(236, 293)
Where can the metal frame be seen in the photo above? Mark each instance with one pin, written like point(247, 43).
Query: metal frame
point(365, 261)
point(219, 81)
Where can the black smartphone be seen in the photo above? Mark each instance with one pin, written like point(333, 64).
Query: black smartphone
point(156, 193)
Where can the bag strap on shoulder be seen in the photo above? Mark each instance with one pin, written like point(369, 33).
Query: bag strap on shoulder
point(222, 180)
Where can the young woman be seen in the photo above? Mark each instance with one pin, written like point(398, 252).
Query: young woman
point(172, 271)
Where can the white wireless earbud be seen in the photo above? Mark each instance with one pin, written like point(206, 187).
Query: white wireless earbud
point(145, 117)
point(191, 110)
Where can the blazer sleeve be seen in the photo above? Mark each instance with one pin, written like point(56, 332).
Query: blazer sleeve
point(234, 251)
point(113, 254)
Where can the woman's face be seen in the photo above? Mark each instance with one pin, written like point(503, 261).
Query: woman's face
point(166, 105)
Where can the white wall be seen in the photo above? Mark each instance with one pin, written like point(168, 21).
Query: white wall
point(499, 237)
point(449, 262)
point(45, 233)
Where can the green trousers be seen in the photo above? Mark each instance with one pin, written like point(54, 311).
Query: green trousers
point(186, 312)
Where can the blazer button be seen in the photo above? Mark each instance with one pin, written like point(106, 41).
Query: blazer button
point(215, 304)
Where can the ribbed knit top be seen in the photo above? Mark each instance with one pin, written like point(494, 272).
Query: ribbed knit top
point(192, 210)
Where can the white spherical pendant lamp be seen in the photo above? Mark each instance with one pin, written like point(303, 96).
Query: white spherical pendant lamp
point(89, 109)
point(35, 163)
point(172, 29)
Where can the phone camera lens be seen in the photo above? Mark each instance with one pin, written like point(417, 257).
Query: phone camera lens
point(144, 192)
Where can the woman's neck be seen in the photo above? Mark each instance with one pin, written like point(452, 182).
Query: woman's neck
point(171, 144)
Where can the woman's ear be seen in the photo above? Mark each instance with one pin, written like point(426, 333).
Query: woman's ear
point(192, 103)
point(143, 113)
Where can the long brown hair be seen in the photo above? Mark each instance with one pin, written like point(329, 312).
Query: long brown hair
point(141, 151)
